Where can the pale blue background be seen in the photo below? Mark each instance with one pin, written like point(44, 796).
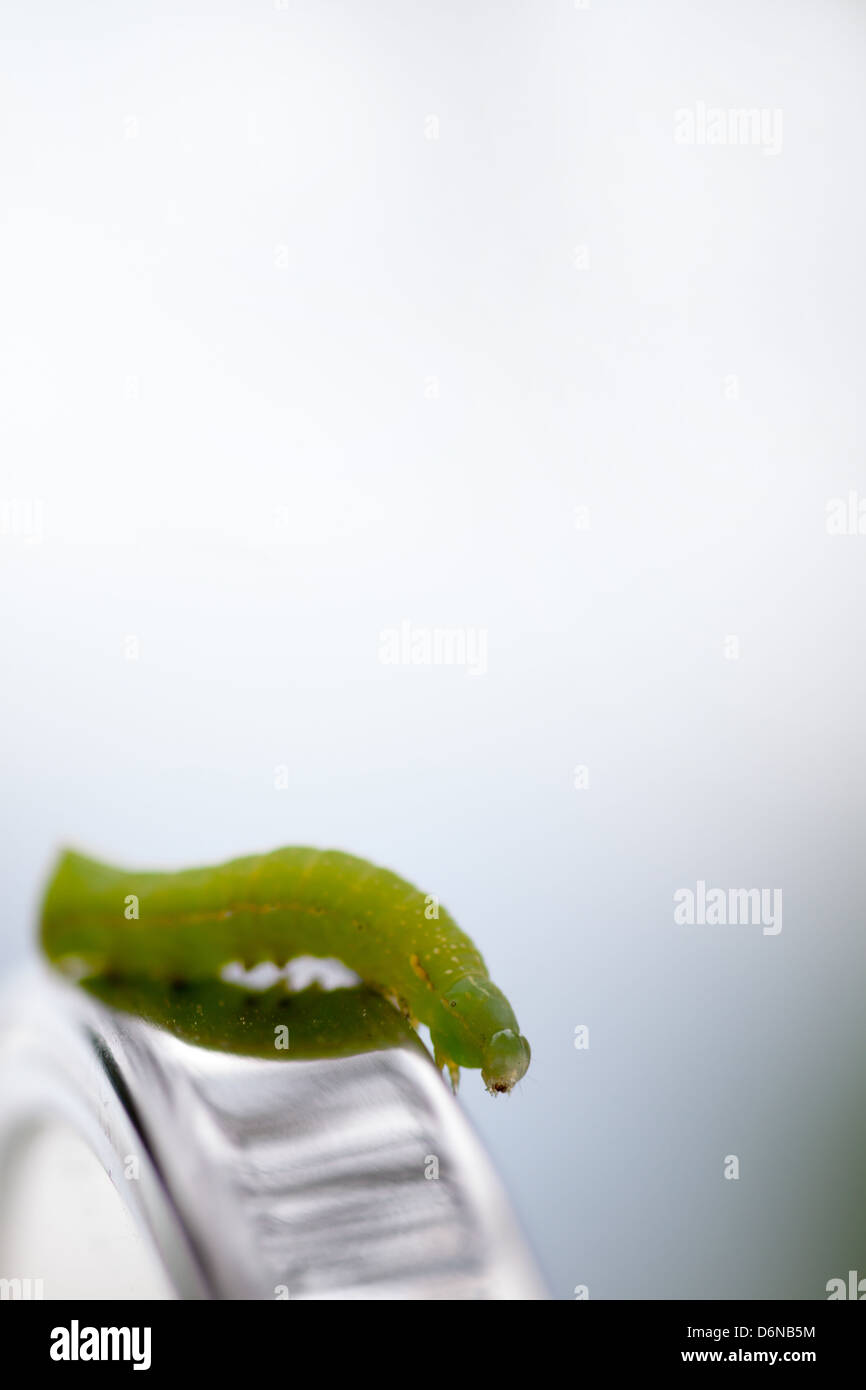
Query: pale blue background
point(230, 262)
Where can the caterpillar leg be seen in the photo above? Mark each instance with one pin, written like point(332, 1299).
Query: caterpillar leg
point(399, 1004)
point(445, 1064)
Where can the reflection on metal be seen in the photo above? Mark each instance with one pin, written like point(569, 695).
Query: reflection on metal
point(356, 1177)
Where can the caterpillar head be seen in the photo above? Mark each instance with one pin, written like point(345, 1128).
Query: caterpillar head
point(506, 1060)
point(477, 1028)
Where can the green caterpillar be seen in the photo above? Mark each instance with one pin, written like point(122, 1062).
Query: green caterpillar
point(123, 924)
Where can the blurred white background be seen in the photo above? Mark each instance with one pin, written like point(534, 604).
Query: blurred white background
point(320, 316)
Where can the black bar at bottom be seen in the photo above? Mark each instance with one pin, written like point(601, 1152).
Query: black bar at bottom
point(244, 1339)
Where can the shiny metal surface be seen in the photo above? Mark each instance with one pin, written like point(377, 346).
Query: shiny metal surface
point(266, 1179)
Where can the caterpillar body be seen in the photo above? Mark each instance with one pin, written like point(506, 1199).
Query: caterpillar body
point(187, 926)
point(228, 1018)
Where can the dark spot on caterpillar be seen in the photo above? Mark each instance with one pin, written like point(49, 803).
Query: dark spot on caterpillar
point(180, 984)
point(500, 1087)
